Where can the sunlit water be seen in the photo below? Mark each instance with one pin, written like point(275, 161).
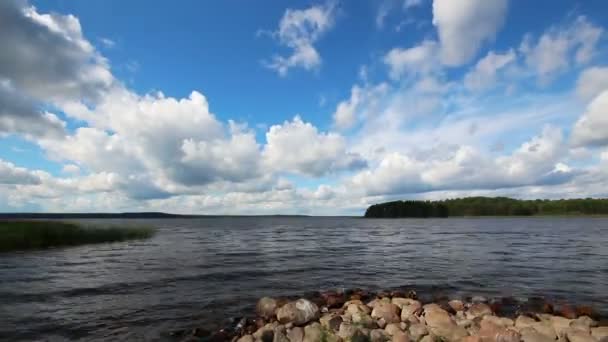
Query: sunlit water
point(197, 272)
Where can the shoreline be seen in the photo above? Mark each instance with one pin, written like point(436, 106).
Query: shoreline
point(401, 316)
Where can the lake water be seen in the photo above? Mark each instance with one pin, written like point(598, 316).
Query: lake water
point(197, 272)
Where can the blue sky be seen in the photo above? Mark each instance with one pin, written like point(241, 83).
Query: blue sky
point(314, 107)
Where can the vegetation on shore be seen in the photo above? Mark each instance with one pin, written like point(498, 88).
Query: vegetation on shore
point(20, 235)
point(488, 206)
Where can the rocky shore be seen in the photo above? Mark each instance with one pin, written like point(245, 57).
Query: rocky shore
point(396, 316)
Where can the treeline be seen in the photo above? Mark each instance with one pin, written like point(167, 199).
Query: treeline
point(488, 206)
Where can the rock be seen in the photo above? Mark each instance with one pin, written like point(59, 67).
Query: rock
point(331, 321)
point(456, 305)
point(530, 335)
point(387, 311)
point(579, 336)
point(347, 330)
point(479, 299)
point(567, 311)
point(392, 328)
point(354, 308)
point(401, 302)
point(266, 307)
point(407, 311)
point(378, 335)
point(560, 325)
point(524, 321)
point(492, 332)
point(470, 339)
point(585, 310)
point(299, 312)
point(418, 331)
point(363, 320)
point(267, 336)
point(295, 334)
point(507, 335)
point(372, 304)
point(584, 323)
point(600, 332)
point(428, 338)
point(313, 332)
point(381, 323)
point(268, 327)
point(502, 321)
point(279, 336)
point(360, 336)
point(441, 324)
point(400, 336)
point(545, 328)
point(478, 310)
point(352, 301)
point(246, 338)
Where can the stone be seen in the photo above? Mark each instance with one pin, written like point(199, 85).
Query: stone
point(583, 323)
point(372, 304)
point(478, 310)
point(295, 334)
point(331, 321)
point(418, 331)
point(428, 338)
point(313, 332)
point(441, 324)
point(352, 301)
point(567, 311)
point(268, 327)
point(299, 312)
point(392, 328)
point(400, 336)
point(378, 335)
point(354, 308)
point(524, 321)
point(407, 311)
point(470, 339)
point(492, 332)
point(381, 323)
point(279, 336)
point(456, 305)
point(266, 307)
point(401, 302)
point(246, 338)
point(387, 311)
point(575, 335)
point(363, 320)
point(560, 325)
point(530, 335)
point(545, 328)
point(600, 332)
point(479, 299)
point(502, 321)
point(347, 330)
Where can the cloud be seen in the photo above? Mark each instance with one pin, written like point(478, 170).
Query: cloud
point(358, 106)
point(298, 147)
point(591, 82)
point(592, 128)
point(299, 30)
point(19, 114)
point(466, 168)
point(48, 61)
point(412, 3)
point(560, 47)
point(483, 75)
point(11, 174)
point(412, 61)
point(463, 26)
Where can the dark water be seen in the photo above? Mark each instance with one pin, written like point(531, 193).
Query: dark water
point(200, 271)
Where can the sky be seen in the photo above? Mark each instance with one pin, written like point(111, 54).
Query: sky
point(299, 107)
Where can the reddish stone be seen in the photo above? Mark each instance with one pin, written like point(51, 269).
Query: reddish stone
point(585, 310)
point(567, 311)
point(547, 308)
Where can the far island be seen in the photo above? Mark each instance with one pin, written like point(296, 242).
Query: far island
point(487, 206)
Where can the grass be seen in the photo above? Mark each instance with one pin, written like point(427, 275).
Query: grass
point(21, 235)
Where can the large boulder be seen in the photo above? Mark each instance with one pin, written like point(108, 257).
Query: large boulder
point(491, 332)
point(478, 310)
point(524, 322)
point(442, 325)
point(600, 332)
point(266, 307)
point(299, 312)
point(387, 311)
point(408, 310)
point(418, 331)
point(560, 325)
point(575, 335)
point(313, 332)
point(456, 305)
point(530, 335)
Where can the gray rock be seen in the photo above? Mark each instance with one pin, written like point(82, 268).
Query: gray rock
point(299, 312)
point(266, 307)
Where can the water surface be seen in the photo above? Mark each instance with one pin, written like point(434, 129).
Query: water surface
point(197, 272)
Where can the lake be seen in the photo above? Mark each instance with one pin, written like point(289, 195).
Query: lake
point(199, 272)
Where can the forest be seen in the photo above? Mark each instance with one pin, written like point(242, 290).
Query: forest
point(488, 206)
